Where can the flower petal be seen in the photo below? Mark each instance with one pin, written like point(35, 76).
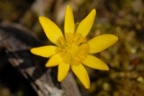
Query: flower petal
point(86, 24)
point(69, 26)
point(101, 42)
point(82, 74)
point(44, 51)
point(63, 69)
point(52, 31)
point(54, 60)
point(93, 62)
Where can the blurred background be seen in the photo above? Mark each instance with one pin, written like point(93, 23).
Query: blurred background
point(123, 18)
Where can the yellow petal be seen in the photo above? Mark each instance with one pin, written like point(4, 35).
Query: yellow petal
point(101, 42)
point(54, 60)
point(69, 26)
point(52, 31)
point(86, 24)
point(82, 74)
point(93, 62)
point(63, 69)
point(44, 51)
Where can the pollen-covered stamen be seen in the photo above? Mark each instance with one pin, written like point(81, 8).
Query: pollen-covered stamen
point(75, 48)
point(71, 49)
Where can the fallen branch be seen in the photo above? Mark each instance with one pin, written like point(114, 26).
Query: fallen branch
point(15, 42)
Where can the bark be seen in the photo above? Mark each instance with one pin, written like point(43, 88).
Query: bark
point(15, 42)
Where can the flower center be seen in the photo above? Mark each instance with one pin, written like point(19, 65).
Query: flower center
point(75, 48)
point(71, 49)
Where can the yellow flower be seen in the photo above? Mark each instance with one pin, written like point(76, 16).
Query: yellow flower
point(72, 49)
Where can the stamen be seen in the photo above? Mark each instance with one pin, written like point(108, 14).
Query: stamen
point(73, 49)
